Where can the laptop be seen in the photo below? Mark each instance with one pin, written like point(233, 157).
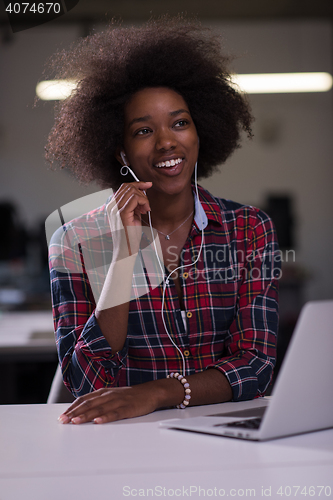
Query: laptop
point(302, 397)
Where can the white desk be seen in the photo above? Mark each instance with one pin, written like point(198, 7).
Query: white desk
point(26, 334)
point(41, 459)
point(25, 337)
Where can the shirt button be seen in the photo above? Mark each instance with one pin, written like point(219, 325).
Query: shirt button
point(189, 314)
point(186, 353)
point(185, 276)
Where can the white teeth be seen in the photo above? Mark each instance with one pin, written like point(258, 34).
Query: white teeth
point(169, 163)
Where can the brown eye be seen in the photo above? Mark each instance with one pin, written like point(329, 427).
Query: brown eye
point(143, 131)
point(181, 123)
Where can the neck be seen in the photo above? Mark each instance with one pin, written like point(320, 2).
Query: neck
point(170, 210)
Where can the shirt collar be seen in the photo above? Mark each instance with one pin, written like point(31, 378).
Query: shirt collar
point(206, 208)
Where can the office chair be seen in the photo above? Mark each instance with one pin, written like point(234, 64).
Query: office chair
point(59, 392)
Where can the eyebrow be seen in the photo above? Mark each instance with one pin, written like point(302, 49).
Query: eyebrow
point(178, 112)
point(148, 117)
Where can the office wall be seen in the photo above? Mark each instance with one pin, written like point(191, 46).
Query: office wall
point(292, 149)
point(25, 177)
point(291, 152)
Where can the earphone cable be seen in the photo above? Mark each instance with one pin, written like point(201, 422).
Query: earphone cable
point(166, 279)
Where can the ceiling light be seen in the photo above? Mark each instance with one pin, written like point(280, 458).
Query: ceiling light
point(261, 83)
point(54, 90)
point(272, 83)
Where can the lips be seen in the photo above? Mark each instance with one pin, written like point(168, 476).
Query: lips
point(169, 163)
point(170, 167)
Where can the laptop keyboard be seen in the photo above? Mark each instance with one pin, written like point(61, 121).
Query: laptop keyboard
point(251, 423)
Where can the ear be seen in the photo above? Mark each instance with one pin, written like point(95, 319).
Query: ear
point(117, 155)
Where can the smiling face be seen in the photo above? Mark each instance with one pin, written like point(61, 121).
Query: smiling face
point(160, 139)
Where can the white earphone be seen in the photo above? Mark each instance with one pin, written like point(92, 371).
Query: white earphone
point(125, 168)
point(124, 171)
point(122, 154)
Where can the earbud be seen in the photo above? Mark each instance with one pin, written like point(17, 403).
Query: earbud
point(125, 168)
point(122, 154)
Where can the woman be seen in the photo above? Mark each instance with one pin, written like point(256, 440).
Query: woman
point(156, 103)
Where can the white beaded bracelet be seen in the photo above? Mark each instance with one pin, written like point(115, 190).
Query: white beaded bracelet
point(187, 389)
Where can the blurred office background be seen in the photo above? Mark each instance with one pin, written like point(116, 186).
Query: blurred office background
point(286, 169)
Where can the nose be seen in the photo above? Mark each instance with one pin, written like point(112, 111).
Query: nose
point(165, 140)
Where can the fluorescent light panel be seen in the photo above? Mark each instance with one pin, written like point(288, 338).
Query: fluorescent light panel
point(55, 90)
point(264, 83)
point(276, 83)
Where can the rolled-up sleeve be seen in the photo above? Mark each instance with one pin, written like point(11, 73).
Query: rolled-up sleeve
point(86, 359)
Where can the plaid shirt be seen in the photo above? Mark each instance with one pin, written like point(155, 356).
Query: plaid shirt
point(230, 298)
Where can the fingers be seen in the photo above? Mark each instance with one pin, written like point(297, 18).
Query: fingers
point(108, 405)
point(132, 196)
point(103, 405)
point(129, 202)
point(133, 204)
point(72, 410)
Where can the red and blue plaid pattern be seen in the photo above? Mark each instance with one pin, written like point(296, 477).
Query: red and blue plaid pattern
point(230, 298)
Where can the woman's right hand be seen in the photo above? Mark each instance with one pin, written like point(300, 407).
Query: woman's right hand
point(124, 210)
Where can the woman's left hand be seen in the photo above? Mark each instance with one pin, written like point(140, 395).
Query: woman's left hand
point(108, 405)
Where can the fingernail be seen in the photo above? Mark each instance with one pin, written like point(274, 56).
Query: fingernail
point(63, 419)
point(76, 420)
point(98, 420)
